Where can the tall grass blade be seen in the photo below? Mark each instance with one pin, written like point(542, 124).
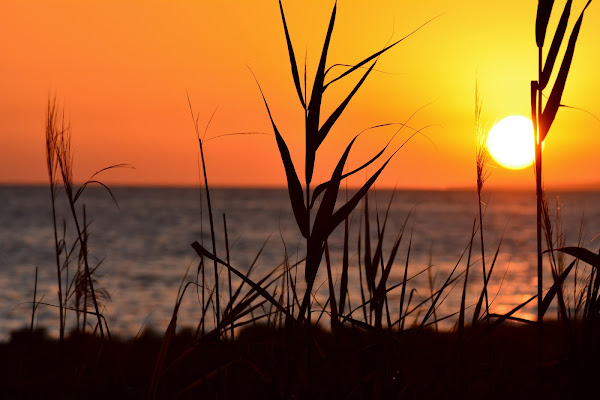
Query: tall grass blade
point(555, 46)
point(324, 130)
point(332, 302)
point(228, 262)
point(252, 265)
point(370, 269)
point(162, 353)
point(360, 277)
point(345, 264)
point(541, 22)
point(294, 186)
point(378, 256)
point(327, 206)
point(403, 293)
point(314, 106)
point(347, 208)
point(202, 251)
point(556, 288)
point(559, 86)
point(583, 254)
point(509, 314)
point(293, 63)
point(432, 308)
point(461, 316)
point(380, 291)
point(486, 280)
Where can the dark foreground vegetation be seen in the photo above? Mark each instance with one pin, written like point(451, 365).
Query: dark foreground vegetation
point(354, 364)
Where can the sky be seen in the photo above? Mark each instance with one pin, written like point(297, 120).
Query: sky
point(123, 71)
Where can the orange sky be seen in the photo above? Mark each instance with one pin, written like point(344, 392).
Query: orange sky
point(122, 68)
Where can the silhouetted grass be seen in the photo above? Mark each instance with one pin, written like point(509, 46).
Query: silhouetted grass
point(264, 342)
point(543, 115)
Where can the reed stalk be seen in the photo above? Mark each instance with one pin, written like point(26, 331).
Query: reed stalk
point(543, 115)
point(52, 133)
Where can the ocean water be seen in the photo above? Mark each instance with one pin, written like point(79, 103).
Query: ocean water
point(144, 253)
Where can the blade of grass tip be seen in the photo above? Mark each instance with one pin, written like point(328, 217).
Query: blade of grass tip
point(162, 354)
point(201, 250)
point(360, 277)
point(555, 288)
point(511, 312)
point(294, 187)
point(295, 300)
point(34, 303)
point(555, 46)
point(369, 269)
point(345, 264)
point(293, 64)
point(588, 295)
point(331, 120)
point(378, 256)
point(461, 317)
point(322, 220)
point(252, 265)
point(228, 262)
point(582, 254)
point(431, 283)
point(321, 187)
point(92, 180)
point(403, 292)
point(332, 302)
point(381, 292)
point(406, 313)
point(347, 208)
point(212, 231)
point(381, 288)
point(541, 21)
point(485, 283)
point(559, 86)
point(554, 263)
point(322, 228)
point(384, 291)
point(447, 283)
point(209, 205)
point(397, 285)
point(595, 299)
point(314, 107)
point(323, 308)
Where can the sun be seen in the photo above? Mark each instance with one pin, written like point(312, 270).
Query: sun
point(511, 142)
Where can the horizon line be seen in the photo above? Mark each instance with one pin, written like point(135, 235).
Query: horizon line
point(595, 186)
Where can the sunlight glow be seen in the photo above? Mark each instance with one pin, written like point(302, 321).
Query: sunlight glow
point(510, 142)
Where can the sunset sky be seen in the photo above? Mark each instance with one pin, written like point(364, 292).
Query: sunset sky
point(122, 69)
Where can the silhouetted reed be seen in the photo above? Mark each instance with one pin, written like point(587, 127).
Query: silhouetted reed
point(543, 115)
point(59, 159)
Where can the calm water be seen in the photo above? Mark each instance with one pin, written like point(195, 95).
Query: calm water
point(145, 248)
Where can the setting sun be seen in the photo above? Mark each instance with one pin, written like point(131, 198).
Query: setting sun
point(511, 142)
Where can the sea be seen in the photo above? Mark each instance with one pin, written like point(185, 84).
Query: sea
point(139, 244)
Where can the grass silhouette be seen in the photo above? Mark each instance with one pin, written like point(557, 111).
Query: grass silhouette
point(265, 341)
point(543, 116)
